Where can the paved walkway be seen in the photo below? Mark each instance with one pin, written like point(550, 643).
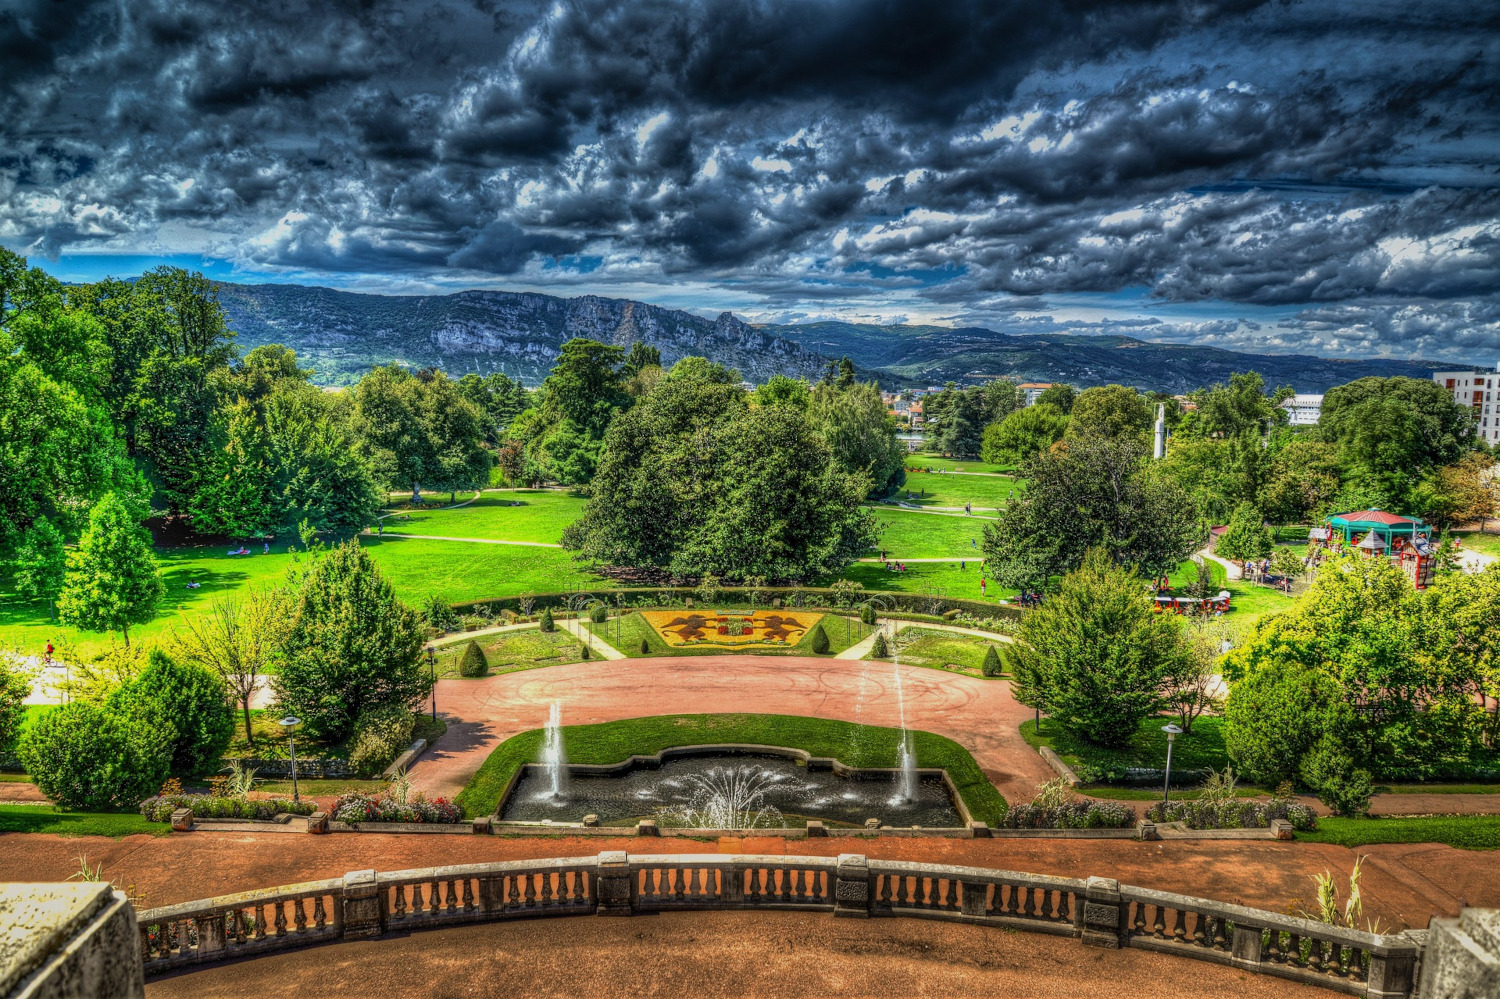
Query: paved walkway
point(1404, 884)
point(734, 955)
point(980, 714)
point(601, 648)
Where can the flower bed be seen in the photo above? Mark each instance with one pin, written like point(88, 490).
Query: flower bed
point(356, 806)
point(1072, 815)
point(159, 808)
point(1234, 813)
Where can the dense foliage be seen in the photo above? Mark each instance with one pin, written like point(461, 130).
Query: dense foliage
point(185, 706)
point(159, 807)
point(86, 757)
point(1095, 656)
point(352, 646)
point(112, 581)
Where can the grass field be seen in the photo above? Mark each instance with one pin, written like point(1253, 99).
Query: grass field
point(505, 515)
point(937, 489)
point(905, 534)
point(1202, 750)
point(856, 745)
point(934, 462)
point(60, 822)
point(633, 629)
point(944, 650)
point(509, 651)
point(1487, 543)
point(938, 578)
point(1467, 832)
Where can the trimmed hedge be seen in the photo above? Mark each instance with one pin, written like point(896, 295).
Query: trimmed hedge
point(159, 808)
point(1236, 813)
point(1074, 815)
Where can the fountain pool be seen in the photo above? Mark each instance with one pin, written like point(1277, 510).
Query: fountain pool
point(730, 789)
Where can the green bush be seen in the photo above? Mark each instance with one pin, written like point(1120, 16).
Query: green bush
point(867, 614)
point(473, 662)
point(437, 613)
point(645, 647)
point(548, 625)
point(1338, 780)
point(599, 613)
point(186, 707)
point(380, 735)
point(584, 652)
point(85, 757)
point(879, 649)
point(820, 644)
point(991, 665)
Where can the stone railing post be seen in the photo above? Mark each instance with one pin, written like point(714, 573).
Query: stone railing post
point(210, 935)
point(1103, 913)
point(491, 894)
point(732, 885)
point(851, 886)
point(1247, 947)
point(1394, 976)
point(975, 899)
point(1462, 957)
point(613, 884)
point(359, 901)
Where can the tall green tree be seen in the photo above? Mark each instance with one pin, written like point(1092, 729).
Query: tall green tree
point(1023, 434)
point(236, 494)
point(112, 580)
point(1095, 655)
point(1109, 411)
point(41, 564)
point(862, 434)
point(1093, 492)
point(352, 646)
point(499, 398)
point(1246, 537)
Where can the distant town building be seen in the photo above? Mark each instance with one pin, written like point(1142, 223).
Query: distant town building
point(1032, 390)
point(1476, 391)
point(1303, 410)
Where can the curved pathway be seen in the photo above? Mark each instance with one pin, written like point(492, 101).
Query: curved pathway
point(980, 715)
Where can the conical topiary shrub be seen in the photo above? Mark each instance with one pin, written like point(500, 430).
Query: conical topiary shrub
point(548, 625)
point(599, 613)
point(584, 653)
point(473, 662)
point(991, 665)
point(867, 614)
point(880, 650)
point(819, 640)
point(645, 647)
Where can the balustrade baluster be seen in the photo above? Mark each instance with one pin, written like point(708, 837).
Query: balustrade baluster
point(145, 934)
point(513, 898)
point(1065, 906)
point(164, 940)
point(1315, 954)
point(319, 916)
point(546, 888)
point(1179, 926)
point(1294, 949)
point(1355, 969)
point(468, 895)
point(416, 900)
point(260, 922)
point(299, 915)
point(530, 880)
point(1198, 934)
point(1222, 933)
point(901, 890)
point(450, 896)
point(1159, 923)
point(883, 889)
point(695, 889)
point(1138, 920)
point(433, 898)
point(1271, 947)
point(579, 892)
point(1026, 899)
point(280, 919)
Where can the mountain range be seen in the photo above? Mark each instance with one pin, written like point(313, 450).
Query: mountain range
point(343, 334)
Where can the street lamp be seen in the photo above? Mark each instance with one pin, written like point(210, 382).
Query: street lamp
point(1166, 788)
point(290, 723)
point(432, 665)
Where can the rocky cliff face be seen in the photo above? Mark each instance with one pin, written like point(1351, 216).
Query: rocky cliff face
point(342, 334)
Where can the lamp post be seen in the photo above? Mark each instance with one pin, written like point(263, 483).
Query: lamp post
point(1166, 786)
point(432, 666)
point(290, 723)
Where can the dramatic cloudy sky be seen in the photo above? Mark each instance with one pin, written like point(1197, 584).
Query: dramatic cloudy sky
point(1280, 176)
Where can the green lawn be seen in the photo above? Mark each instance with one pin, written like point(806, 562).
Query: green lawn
point(507, 515)
point(60, 822)
point(856, 745)
point(271, 740)
point(1202, 750)
point(906, 534)
point(460, 571)
point(919, 461)
point(1487, 543)
point(938, 489)
point(510, 651)
point(1467, 832)
point(938, 578)
point(944, 650)
point(842, 632)
point(1247, 602)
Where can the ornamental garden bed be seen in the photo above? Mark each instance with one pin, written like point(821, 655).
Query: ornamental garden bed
point(943, 650)
point(1142, 761)
point(688, 632)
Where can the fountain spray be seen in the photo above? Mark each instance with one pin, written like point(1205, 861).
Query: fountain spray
point(553, 757)
point(906, 759)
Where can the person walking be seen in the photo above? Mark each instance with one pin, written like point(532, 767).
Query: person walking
point(968, 509)
point(49, 652)
point(982, 582)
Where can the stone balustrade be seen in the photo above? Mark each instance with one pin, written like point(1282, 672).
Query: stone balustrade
point(1097, 911)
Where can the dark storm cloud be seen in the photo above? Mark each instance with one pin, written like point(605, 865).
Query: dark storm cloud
point(972, 156)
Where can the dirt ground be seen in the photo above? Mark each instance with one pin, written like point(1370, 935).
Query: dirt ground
point(1404, 885)
point(785, 955)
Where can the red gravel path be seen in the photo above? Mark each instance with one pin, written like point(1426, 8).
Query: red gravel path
point(978, 714)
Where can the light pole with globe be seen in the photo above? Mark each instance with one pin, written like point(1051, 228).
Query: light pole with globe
point(1166, 787)
point(290, 723)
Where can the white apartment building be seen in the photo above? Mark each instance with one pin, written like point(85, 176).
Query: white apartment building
point(1477, 390)
point(1303, 409)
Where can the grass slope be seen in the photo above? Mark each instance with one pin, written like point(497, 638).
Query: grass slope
point(510, 651)
point(940, 489)
point(943, 650)
point(1202, 750)
point(914, 462)
point(505, 515)
point(906, 534)
point(856, 745)
point(60, 822)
